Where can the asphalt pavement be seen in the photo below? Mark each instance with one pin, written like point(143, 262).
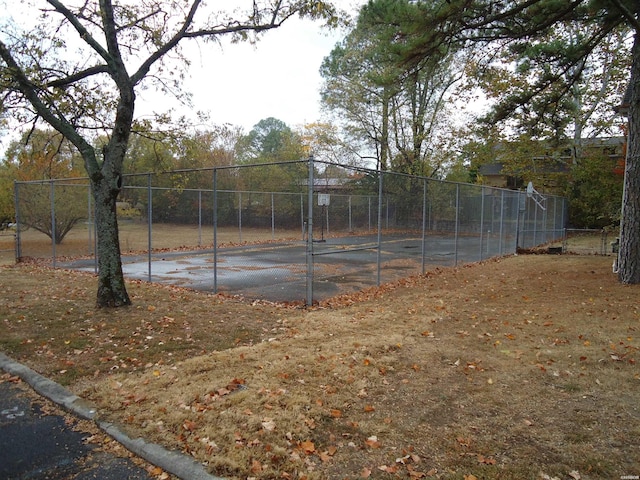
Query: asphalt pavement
point(40, 442)
point(36, 443)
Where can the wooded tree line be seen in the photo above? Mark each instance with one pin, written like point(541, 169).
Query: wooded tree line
point(550, 70)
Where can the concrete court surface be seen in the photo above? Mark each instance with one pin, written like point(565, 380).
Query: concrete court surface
point(278, 271)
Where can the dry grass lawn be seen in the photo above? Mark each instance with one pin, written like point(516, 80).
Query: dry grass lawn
point(519, 368)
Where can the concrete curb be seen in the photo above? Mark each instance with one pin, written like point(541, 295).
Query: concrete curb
point(178, 464)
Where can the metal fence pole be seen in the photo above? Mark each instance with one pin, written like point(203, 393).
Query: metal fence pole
point(215, 230)
point(90, 244)
point(273, 218)
point(199, 217)
point(535, 227)
point(379, 249)
point(482, 222)
point(302, 222)
point(310, 234)
point(18, 239)
point(457, 226)
point(240, 216)
point(500, 241)
point(52, 200)
point(423, 253)
point(149, 223)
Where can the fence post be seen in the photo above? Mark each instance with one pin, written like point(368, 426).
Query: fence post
point(240, 216)
point(455, 248)
point(149, 223)
point(199, 217)
point(500, 246)
point(273, 218)
point(302, 222)
point(215, 230)
point(379, 250)
point(52, 200)
point(482, 223)
point(310, 234)
point(18, 239)
point(424, 225)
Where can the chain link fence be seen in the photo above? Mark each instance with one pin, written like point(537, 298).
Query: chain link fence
point(590, 241)
point(295, 231)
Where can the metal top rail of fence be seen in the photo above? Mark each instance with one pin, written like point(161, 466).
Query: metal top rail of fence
point(293, 231)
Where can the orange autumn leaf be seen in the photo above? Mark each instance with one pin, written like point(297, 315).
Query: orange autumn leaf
point(189, 425)
point(388, 469)
point(335, 413)
point(369, 408)
point(372, 442)
point(486, 460)
point(256, 466)
point(155, 471)
point(308, 447)
point(325, 457)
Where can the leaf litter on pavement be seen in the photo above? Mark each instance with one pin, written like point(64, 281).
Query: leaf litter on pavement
point(521, 367)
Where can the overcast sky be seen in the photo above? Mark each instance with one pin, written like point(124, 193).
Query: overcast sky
point(278, 77)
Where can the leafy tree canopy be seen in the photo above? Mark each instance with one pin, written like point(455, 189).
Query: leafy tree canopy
point(536, 33)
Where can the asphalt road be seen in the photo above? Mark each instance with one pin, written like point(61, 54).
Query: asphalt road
point(38, 442)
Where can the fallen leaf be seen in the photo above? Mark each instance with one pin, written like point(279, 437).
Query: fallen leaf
point(268, 424)
point(372, 442)
point(366, 473)
point(415, 473)
point(325, 457)
point(388, 469)
point(486, 460)
point(189, 425)
point(256, 466)
point(308, 447)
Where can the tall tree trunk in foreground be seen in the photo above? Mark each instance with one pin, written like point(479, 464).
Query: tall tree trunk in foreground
point(629, 254)
point(111, 286)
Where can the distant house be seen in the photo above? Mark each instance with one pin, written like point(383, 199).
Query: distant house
point(554, 165)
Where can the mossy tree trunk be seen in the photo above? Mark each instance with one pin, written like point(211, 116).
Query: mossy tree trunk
point(112, 291)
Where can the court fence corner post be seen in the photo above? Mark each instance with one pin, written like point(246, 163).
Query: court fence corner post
point(309, 300)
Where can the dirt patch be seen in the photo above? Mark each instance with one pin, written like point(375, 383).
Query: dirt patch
point(522, 367)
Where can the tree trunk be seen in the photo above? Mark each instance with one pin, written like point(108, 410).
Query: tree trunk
point(629, 254)
point(111, 287)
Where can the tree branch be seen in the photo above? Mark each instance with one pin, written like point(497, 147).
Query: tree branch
point(635, 23)
point(84, 33)
point(63, 82)
point(30, 91)
point(158, 54)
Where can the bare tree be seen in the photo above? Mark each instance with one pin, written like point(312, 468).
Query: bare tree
point(78, 69)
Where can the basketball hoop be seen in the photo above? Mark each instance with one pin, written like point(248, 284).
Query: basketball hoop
point(533, 194)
